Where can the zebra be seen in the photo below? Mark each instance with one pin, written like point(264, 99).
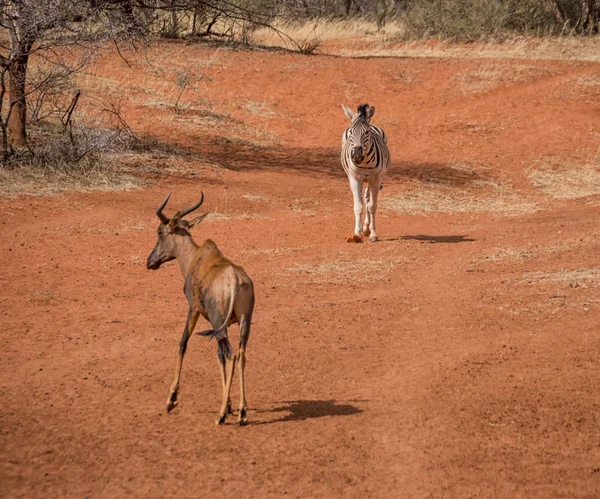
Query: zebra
point(365, 158)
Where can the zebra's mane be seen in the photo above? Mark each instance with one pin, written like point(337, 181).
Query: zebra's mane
point(362, 110)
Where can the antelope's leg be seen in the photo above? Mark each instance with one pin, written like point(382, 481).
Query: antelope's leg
point(224, 383)
point(244, 335)
point(367, 222)
point(187, 331)
point(228, 365)
point(356, 188)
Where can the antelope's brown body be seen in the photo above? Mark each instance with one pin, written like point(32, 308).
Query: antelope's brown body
point(216, 289)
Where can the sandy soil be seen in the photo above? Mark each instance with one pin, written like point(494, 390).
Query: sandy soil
point(457, 357)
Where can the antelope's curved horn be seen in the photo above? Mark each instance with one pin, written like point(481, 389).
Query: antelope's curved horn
point(185, 212)
point(163, 218)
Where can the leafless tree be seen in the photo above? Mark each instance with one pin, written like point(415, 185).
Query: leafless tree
point(55, 31)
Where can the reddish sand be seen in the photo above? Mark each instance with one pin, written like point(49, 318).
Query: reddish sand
point(457, 357)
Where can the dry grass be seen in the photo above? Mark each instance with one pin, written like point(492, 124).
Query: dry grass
point(361, 38)
point(569, 278)
point(493, 75)
point(261, 109)
point(29, 181)
point(255, 197)
point(270, 253)
point(565, 180)
point(588, 81)
point(343, 271)
point(225, 217)
point(124, 227)
point(458, 189)
point(322, 30)
point(445, 200)
point(515, 254)
point(527, 48)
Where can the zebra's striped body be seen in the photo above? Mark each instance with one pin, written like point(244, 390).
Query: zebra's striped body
point(365, 158)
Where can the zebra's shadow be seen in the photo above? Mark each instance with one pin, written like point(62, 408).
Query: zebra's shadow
point(430, 239)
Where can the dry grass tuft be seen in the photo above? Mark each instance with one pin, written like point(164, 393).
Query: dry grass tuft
point(564, 180)
point(224, 217)
point(344, 271)
point(588, 81)
point(362, 38)
point(31, 181)
point(270, 253)
point(571, 278)
point(500, 255)
point(493, 75)
point(308, 36)
point(254, 197)
point(261, 109)
point(445, 200)
point(458, 188)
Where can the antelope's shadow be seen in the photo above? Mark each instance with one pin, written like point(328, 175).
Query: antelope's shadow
point(301, 410)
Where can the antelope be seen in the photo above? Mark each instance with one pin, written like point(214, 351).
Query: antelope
point(216, 289)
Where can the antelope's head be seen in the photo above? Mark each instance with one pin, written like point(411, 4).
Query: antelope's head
point(359, 131)
point(170, 233)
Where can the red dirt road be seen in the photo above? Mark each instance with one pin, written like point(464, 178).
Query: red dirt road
point(458, 356)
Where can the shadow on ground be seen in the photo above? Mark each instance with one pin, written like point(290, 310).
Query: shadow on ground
point(301, 410)
point(430, 239)
point(325, 161)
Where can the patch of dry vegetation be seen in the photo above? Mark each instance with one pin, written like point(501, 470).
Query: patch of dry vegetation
point(81, 158)
point(225, 217)
point(28, 181)
point(565, 180)
point(490, 76)
point(343, 271)
point(459, 189)
point(362, 38)
point(271, 253)
point(256, 108)
point(521, 254)
point(447, 200)
point(313, 33)
point(570, 278)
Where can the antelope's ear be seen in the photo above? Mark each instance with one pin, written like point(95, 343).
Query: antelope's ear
point(195, 221)
point(370, 112)
point(348, 112)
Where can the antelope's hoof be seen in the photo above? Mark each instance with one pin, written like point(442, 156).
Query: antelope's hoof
point(355, 239)
point(366, 231)
point(243, 419)
point(229, 411)
point(221, 420)
point(374, 239)
point(171, 404)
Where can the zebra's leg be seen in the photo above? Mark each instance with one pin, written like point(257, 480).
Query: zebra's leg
point(367, 222)
point(356, 188)
point(372, 209)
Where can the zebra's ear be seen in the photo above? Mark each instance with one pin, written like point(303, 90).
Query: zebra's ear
point(370, 112)
point(348, 112)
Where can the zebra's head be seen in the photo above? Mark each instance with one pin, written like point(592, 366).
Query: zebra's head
point(358, 134)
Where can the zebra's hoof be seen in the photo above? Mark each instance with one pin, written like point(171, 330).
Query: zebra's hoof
point(374, 239)
point(366, 231)
point(355, 239)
